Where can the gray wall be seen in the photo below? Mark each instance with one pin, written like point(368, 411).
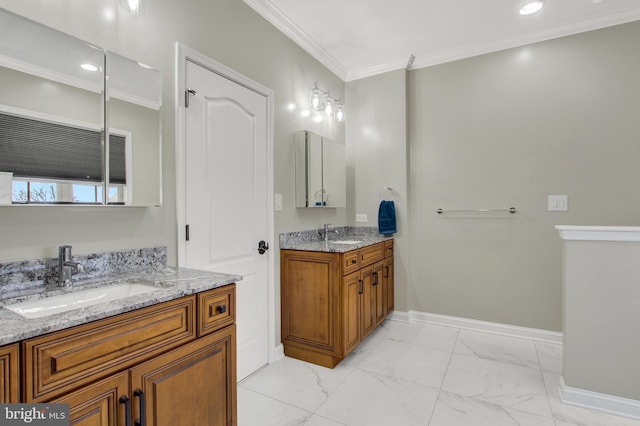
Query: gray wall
point(227, 31)
point(601, 319)
point(509, 129)
point(377, 157)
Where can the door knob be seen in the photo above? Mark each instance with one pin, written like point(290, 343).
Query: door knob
point(263, 247)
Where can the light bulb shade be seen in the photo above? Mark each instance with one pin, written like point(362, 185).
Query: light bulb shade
point(328, 108)
point(531, 6)
point(135, 7)
point(340, 113)
point(317, 99)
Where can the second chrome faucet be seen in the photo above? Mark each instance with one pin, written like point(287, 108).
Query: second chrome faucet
point(66, 266)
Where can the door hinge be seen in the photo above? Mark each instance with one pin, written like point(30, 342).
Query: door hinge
point(187, 232)
point(186, 96)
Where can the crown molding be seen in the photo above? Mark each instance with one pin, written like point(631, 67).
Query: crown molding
point(278, 19)
point(273, 15)
point(377, 69)
point(427, 60)
point(49, 74)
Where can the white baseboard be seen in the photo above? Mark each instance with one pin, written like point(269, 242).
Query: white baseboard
point(277, 353)
point(398, 316)
point(471, 324)
point(599, 401)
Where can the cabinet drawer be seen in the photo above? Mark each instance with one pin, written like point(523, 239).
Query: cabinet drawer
point(350, 261)
point(65, 360)
point(388, 248)
point(216, 309)
point(371, 254)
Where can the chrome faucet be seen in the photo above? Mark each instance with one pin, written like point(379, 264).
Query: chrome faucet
point(66, 266)
point(325, 235)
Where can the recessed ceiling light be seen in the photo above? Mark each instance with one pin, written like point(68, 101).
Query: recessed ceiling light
point(89, 67)
point(531, 7)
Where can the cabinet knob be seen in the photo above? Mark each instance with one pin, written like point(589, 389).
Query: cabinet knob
point(221, 309)
point(354, 261)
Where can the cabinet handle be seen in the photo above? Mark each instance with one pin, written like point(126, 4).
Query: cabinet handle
point(386, 275)
point(142, 421)
point(361, 290)
point(221, 309)
point(124, 399)
point(375, 278)
point(354, 261)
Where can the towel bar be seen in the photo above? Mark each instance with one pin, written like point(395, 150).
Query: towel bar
point(509, 210)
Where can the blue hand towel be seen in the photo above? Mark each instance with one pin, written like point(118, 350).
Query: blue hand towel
point(387, 218)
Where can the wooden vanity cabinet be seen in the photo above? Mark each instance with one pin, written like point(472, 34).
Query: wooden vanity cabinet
point(148, 364)
point(331, 301)
point(10, 374)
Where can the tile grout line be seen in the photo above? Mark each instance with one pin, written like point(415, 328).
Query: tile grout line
point(444, 376)
point(280, 401)
point(353, 369)
point(544, 382)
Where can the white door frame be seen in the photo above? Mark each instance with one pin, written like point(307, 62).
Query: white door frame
point(184, 53)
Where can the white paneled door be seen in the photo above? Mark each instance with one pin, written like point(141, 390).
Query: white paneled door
point(226, 198)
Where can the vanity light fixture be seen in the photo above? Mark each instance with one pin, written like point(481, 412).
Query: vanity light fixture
point(321, 102)
point(531, 6)
point(135, 7)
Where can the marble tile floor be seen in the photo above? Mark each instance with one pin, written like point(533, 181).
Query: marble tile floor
point(420, 374)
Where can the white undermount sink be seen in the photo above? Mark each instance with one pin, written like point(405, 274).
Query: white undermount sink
point(70, 301)
point(346, 242)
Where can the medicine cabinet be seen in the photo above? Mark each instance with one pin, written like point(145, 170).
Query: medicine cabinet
point(78, 124)
point(320, 171)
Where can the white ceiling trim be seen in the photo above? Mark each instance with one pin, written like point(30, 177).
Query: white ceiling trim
point(282, 22)
point(278, 19)
point(423, 61)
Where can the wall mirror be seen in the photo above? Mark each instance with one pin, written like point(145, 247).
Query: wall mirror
point(320, 171)
point(58, 94)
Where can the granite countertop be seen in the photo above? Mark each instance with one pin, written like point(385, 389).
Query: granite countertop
point(311, 240)
point(171, 283)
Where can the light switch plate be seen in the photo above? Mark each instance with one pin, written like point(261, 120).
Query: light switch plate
point(558, 203)
point(361, 218)
point(277, 202)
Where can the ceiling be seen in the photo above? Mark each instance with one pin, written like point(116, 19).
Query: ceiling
point(360, 38)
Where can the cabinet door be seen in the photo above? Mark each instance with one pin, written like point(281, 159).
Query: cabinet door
point(9, 374)
point(379, 296)
point(191, 385)
point(351, 311)
point(98, 404)
point(310, 297)
point(388, 284)
point(367, 301)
